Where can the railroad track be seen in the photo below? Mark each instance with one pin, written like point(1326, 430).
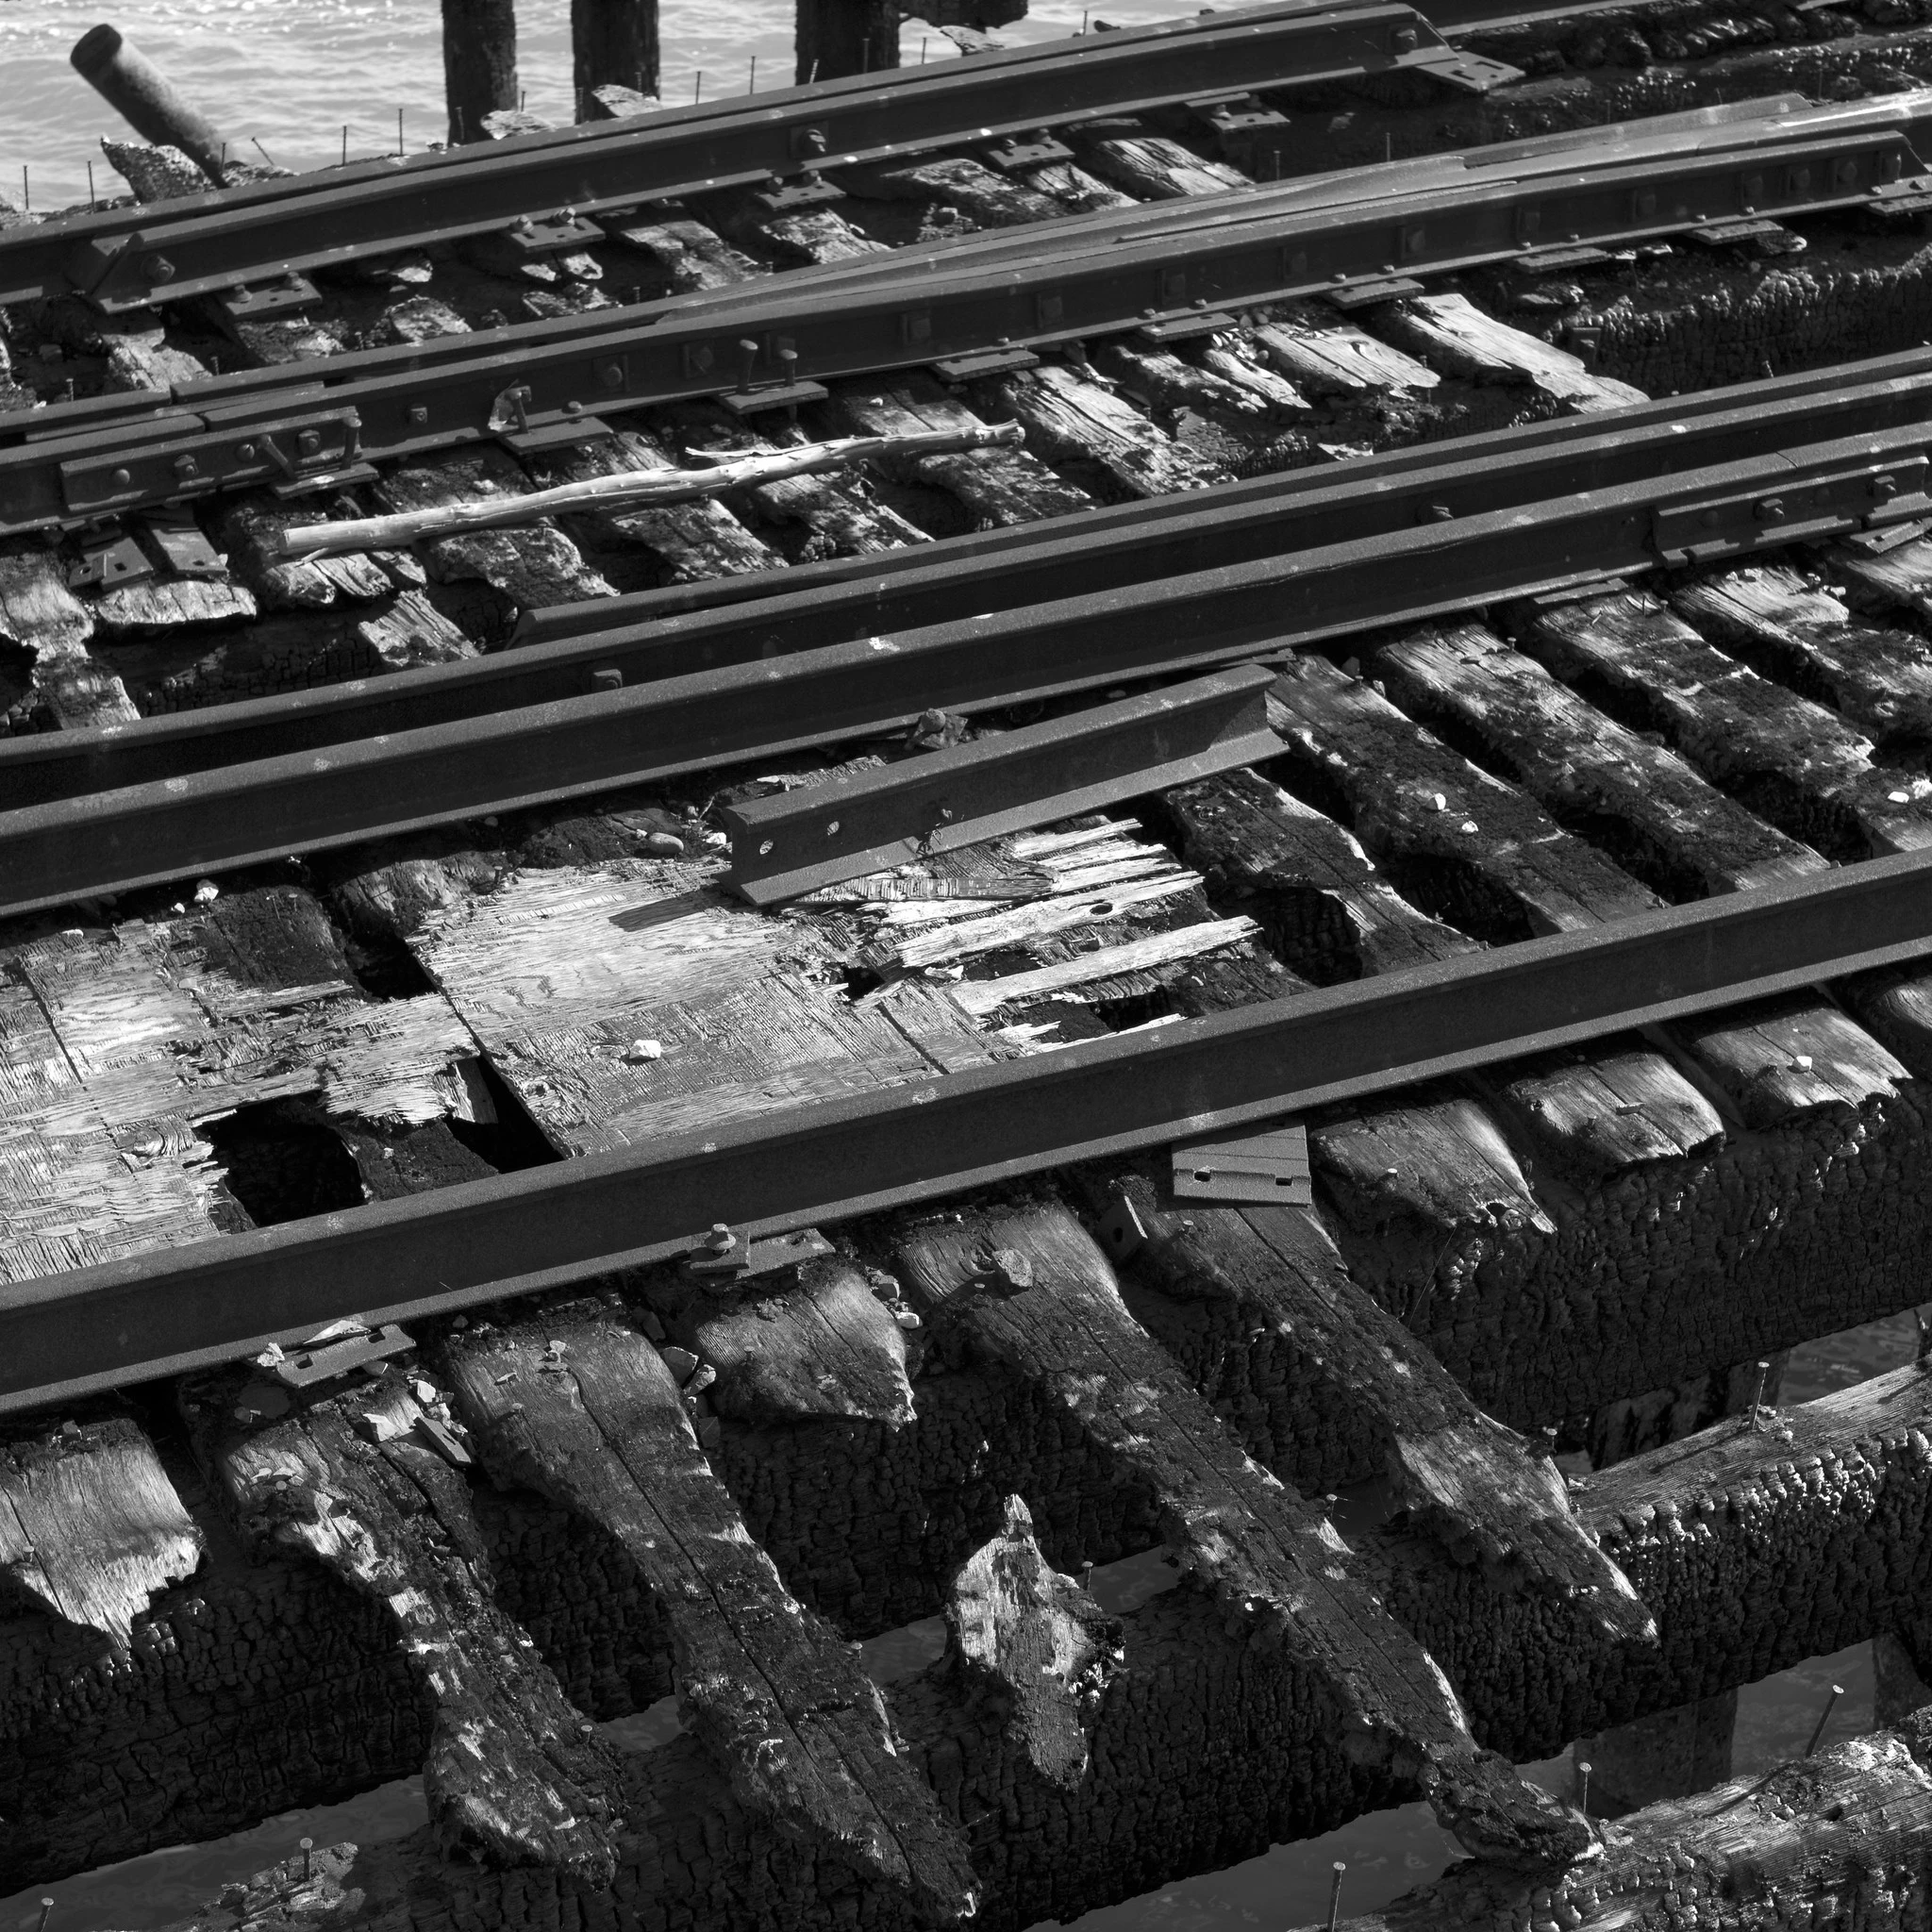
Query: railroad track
point(1558, 866)
point(1009, 103)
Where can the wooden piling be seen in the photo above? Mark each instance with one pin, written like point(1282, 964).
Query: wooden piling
point(479, 64)
point(613, 41)
point(837, 37)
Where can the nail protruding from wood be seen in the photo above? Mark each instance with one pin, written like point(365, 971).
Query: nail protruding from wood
point(1335, 1895)
point(1757, 1399)
point(1838, 1690)
point(1583, 1787)
point(46, 1913)
point(308, 1846)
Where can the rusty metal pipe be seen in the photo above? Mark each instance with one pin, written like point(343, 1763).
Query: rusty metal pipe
point(144, 96)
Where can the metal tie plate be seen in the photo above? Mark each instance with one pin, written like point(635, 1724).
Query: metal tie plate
point(1266, 1167)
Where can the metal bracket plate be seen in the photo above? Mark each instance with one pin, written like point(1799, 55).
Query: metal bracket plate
point(1266, 1167)
point(109, 557)
point(799, 840)
point(1180, 328)
point(1348, 295)
point(564, 233)
point(178, 536)
point(744, 1259)
point(300, 1367)
point(1469, 73)
point(788, 197)
point(1561, 259)
point(266, 300)
point(1043, 151)
point(1823, 504)
point(288, 447)
point(1736, 234)
point(985, 362)
point(776, 395)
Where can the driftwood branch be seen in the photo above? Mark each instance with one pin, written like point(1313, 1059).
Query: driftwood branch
point(720, 474)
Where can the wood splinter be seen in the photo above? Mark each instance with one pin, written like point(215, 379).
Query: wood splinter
point(723, 470)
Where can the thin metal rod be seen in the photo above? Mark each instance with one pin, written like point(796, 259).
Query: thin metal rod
point(697, 88)
point(262, 151)
point(402, 151)
point(1335, 1895)
point(92, 199)
point(1757, 1399)
point(753, 87)
point(1838, 1690)
point(308, 1846)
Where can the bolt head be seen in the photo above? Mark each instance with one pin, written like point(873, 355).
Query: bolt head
point(122, 479)
point(158, 268)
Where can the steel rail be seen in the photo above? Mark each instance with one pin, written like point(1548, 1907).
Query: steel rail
point(70, 1334)
point(248, 812)
point(570, 652)
point(798, 333)
point(1733, 125)
point(768, 138)
point(197, 406)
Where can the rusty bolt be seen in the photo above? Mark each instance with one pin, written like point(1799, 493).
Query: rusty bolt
point(185, 466)
point(309, 442)
point(158, 268)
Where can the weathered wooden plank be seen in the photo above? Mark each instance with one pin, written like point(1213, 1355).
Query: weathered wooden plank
point(788, 1351)
point(828, 515)
point(1159, 379)
point(1027, 1288)
point(39, 612)
point(1234, 357)
point(1072, 420)
point(532, 566)
point(1439, 1159)
point(1458, 339)
point(1325, 910)
point(514, 1777)
point(633, 998)
point(957, 181)
point(1781, 625)
point(1898, 579)
point(1465, 1479)
point(1597, 1114)
point(168, 605)
point(1038, 1641)
point(90, 1526)
point(1805, 1843)
point(1156, 169)
point(1790, 1057)
point(412, 632)
point(1794, 763)
point(1076, 190)
point(114, 1046)
point(690, 541)
point(251, 535)
point(1458, 842)
point(142, 359)
point(1322, 353)
point(1662, 818)
point(691, 255)
point(983, 996)
point(592, 1417)
point(1000, 486)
